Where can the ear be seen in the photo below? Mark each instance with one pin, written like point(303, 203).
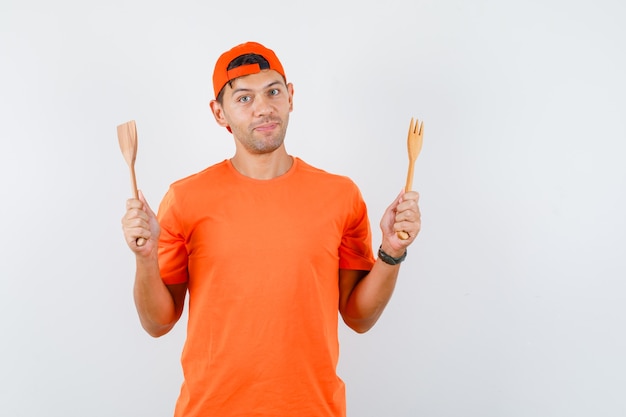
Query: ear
point(290, 91)
point(218, 113)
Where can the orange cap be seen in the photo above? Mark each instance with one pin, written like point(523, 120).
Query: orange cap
point(221, 75)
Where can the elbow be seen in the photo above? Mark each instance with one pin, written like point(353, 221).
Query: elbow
point(156, 333)
point(158, 323)
point(359, 325)
point(360, 329)
point(359, 320)
point(155, 330)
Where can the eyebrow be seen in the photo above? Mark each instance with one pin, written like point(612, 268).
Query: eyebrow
point(273, 83)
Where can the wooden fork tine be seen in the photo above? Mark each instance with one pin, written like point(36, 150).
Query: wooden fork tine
point(420, 136)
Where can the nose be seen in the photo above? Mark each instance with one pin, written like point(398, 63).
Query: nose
point(263, 105)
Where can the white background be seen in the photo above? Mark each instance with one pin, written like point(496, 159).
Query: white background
point(511, 301)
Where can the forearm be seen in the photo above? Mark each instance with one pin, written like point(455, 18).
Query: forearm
point(154, 302)
point(370, 296)
point(364, 295)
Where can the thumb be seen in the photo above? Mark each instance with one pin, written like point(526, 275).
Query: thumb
point(397, 200)
point(145, 203)
point(394, 203)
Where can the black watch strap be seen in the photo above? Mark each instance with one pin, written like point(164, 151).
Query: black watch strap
point(388, 259)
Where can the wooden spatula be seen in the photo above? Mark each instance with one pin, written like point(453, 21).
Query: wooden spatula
point(414, 145)
point(127, 136)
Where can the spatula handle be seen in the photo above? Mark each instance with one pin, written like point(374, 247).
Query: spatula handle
point(133, 180)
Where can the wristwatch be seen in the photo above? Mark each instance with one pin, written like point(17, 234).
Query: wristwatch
point(388, 259)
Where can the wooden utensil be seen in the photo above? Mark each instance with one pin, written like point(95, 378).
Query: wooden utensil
point(414, 145)
point(127, 136)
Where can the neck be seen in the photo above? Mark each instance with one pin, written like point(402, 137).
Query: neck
point(263, 166)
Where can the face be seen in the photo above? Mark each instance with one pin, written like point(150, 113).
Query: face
point(256, 107)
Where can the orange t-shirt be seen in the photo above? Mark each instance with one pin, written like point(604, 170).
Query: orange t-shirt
point(261, 259)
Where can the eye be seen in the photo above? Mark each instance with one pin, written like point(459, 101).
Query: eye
point(244, 99)
point(274, 92)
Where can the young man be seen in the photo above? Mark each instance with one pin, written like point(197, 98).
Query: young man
point(270, 249)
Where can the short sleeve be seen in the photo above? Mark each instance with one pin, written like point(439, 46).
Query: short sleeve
point(172, 248)
point(355, 251)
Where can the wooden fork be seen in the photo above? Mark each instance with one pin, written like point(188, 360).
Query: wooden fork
point(414, 145)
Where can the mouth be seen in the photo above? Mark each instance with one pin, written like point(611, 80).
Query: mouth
point(266, 126)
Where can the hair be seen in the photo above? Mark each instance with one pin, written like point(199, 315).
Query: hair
point(246, 59)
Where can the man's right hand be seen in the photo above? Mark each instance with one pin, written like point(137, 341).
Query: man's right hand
point(139, 221)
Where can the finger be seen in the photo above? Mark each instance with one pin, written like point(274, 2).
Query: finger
point(135, 213)
point(407, 221)
point(408, 225)
point(408, 205)
point(409, 199)
point(136, 234)
point(404, 203)
point(409, 212)
point(133, 203)
point(411, 195)
point(407, 216)
point(406, 231)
